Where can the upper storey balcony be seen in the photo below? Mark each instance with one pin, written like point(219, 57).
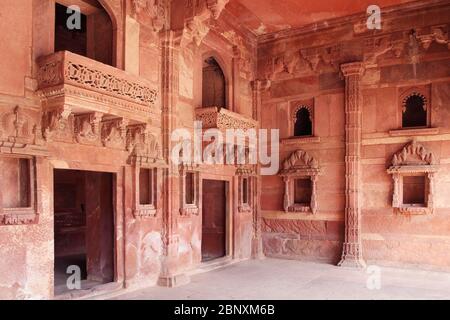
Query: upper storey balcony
point(84, 85)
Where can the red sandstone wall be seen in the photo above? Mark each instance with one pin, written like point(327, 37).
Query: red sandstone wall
point(388, 238)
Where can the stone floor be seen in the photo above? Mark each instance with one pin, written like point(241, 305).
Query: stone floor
point(284, 279)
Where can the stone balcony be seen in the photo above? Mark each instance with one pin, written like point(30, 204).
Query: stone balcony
point(221, 118)
point(81, 85)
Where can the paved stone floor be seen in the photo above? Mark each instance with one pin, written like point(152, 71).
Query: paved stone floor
point(284, 279)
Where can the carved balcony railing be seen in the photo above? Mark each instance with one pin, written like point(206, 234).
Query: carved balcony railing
point(221, 118)
point(65, 78)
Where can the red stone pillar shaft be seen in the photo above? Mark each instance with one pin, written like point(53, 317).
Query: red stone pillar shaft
point(352, 249)
point(170, 275)
point(257, 246)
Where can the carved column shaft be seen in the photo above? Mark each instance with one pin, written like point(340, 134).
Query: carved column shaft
point(170, 83)
point(352, 249)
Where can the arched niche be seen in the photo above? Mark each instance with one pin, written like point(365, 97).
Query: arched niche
point(45, 20)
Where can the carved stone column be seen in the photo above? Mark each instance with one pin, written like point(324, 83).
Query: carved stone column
point(258, 87)
point(170, 275)
point(352, 249)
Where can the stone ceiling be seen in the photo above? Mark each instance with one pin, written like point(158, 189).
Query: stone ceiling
point(267, 16)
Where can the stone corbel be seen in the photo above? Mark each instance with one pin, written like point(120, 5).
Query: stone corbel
point(150, 12)
point(114, 133)
point(87, 128)
point(216, 7)
point(57, 124)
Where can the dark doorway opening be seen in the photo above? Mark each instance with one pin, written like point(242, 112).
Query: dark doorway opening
point(214, 85)
point(84, 229)
point(88, 32)
point(214, 219)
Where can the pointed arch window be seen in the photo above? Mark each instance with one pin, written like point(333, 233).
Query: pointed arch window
point(303, 126)
point(213, 85)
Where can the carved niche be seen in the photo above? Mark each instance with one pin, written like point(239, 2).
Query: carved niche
point(300, 167)
point(21, 145)
point(246, 187)
point(189, 189)
point(414, 162)
point(147, 164)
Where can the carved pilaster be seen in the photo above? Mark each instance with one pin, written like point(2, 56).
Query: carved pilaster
point(170, 276)
point(352, 248)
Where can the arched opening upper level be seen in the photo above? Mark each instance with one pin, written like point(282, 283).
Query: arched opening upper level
point(214, 89)
point(303, 122)
point(84, 27)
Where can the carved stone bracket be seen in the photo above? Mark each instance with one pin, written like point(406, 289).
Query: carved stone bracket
point(114, 133)
point(150, 13)
point(299, 165)
point(220, 118)
point(57, 124)
point(87, 128)
point(412, 161)
point(144, 146)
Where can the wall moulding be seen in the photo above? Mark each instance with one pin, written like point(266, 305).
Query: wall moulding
point(299, 165)
point(414, 160)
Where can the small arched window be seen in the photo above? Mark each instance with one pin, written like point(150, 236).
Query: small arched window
point(88, 32)
point(213, 87)
point(414, 111)
point(303, 122)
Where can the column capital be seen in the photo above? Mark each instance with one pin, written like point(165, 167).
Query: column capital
point(352, 68)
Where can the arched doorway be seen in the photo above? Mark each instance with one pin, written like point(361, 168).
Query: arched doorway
point(87, 32)
point(214, 84)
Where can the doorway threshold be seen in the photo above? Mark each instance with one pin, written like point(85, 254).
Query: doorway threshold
point(90, 291)
point(213, 265)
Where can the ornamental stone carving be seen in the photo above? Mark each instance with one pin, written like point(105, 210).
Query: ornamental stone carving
point(114, 133)
point(87, 128)
point(215, 117)
point(150, 13)
point(299, 165)
point(414, 160)
point(57, 124)
point(143, 145)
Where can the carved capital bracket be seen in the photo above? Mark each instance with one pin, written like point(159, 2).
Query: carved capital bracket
point(114, 133)
point(57, 124)
point(87, 128)
point(352, 69)
point(144, 146)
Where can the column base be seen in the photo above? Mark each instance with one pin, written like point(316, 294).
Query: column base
point(173, 280)
point(257, 250)
point(352, 262)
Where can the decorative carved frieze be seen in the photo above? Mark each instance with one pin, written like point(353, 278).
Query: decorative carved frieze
point(414, 160)
point(299, 165)
point(19, 127)
point(328, 55)
point(87, 128)
point(220, 118)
